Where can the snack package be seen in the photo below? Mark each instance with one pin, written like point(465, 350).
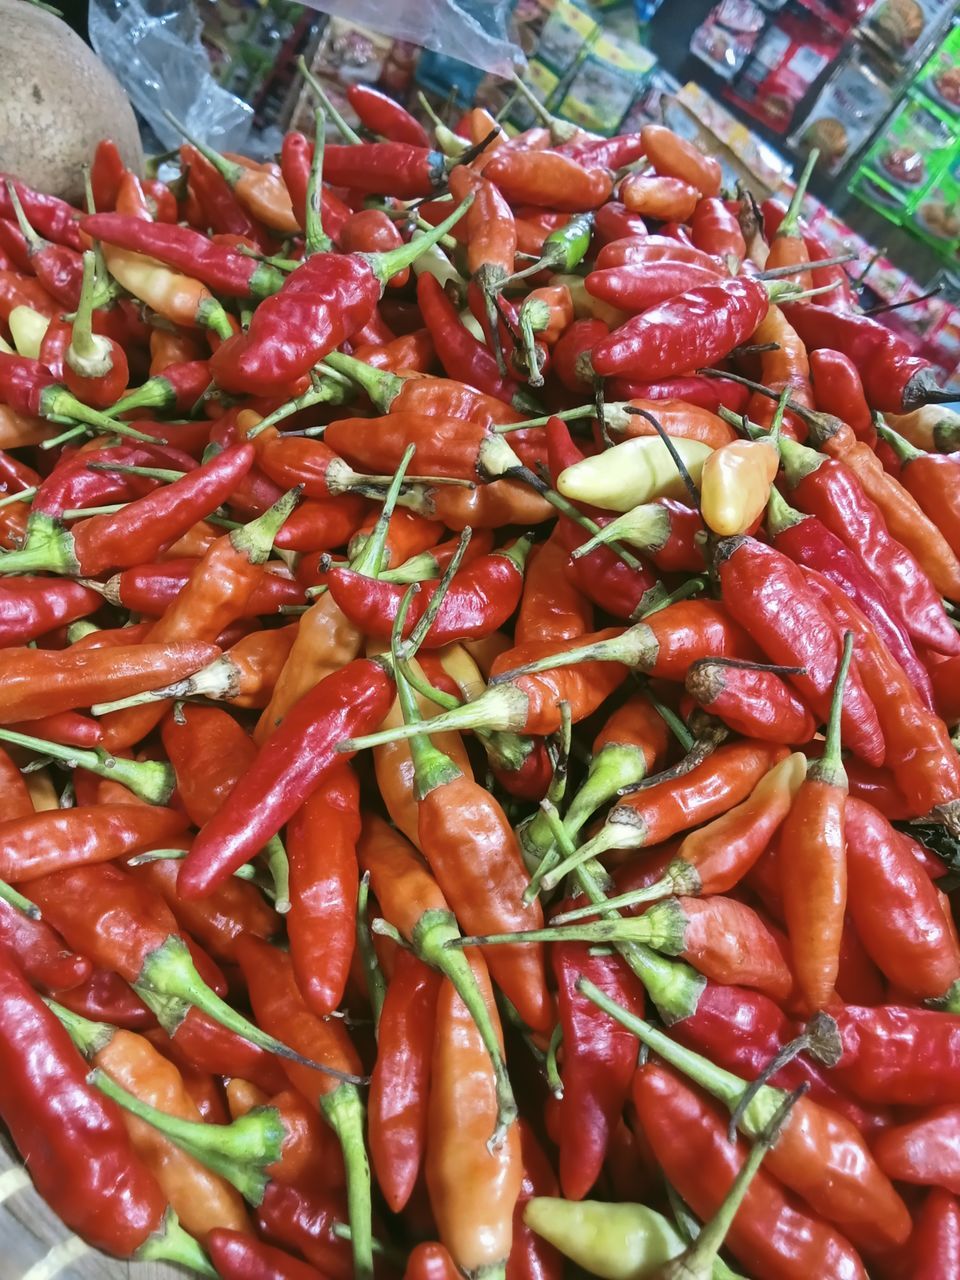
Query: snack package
point(902, 26)
point(939, 79)
point(605, 84)
point(847, 110)
point(725, 39)
point(913, 147)
point(787, 58)
point(936, 212)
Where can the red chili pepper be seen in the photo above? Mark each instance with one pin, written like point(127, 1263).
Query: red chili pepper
point(84, 1166)
point(399, 1085)
point(479, 600)
point(278, 1004)
point(605, 153)
point(321, 846)
point(303, 1218)
point(743, 1030)
point(662, 198)
point(614, 221)
point(548, 178)
point(635, 288)
point(140, 529)
point(675, 156)
point(293, 761)
point(599, 1059)
point(238, 1256)
point(634, 249)
point(323, 302)
point(770, 1234)
point(13, 244)
point(105, 997)
point(44, 957)
point(692, 329)
point(751, 700)
point(896, 909)
point(150, 589)
point(837, 389)
point(18, 290)
point(768, 595)
point(894, 380)
point(828, 489)
point(384, 115)
point(807, 541)
point(716, 230)
point(33, 607)
point(899, 1054)
point(189, 251)
point(220, 208)
point(53, 218)
point(58, 268)
point(934, 1248)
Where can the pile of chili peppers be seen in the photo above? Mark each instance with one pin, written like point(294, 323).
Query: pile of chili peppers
point(480, 648)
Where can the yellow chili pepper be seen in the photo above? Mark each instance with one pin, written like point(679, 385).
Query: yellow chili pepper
point(633, 472)
point(735, 485)
point(171, 295)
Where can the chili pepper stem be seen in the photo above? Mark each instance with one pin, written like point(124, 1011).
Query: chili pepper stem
point(788, 227)
point(368, 561)
point(565, 507)
point(58, 405)
point(344, 1112)
point(560, 130)
point(172, 1244)
point(660, 929)
point(89, 1036)
point(385, 265)
point(275, 857)
point(503, 707)
point(15, 899)
point(381, 387)
point(315, 241)
point(375, 981)
point(829, 768)
point(326, 391)
point(239, 1151)
point(169, 972)
point(151, 780)
point(645, 526)
point(219, 680)
point(348, 134)
point(88, 354)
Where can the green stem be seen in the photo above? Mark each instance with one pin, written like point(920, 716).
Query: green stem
point(380, 387)
point(170, 974)
point(83, 343)
point(376, 983)
point(346, 132)
point(151, 780)
point(788, 227)
point(344, 1112)
point(255, 539)
point(551, 1070)
point(324, 392)
point(18, 901)
point(369, 560)
point(829, 768)
point(227, 169)
point(385, 265)
point(172, 1244)
point(278, 865)
point(315, 239)
point(34, 242)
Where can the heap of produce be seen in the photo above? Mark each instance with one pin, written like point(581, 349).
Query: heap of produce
point(480, 649)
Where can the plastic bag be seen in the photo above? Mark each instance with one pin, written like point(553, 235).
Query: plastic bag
point(473, 31)
point(153, 48)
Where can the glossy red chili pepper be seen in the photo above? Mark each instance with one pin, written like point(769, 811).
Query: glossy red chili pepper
point(636, 288)
point(58, 268)
point(606, 153)
point(692, 329)
point(808, 542)
point(238, 1256)
point(768, 595)
point(105, 997)
point(303, 1218)
point(837, 389)
point(44, 958)
point(743, 1030)
point(548, 178)
point(150, 589)
point(52, 217)
point(13, 244)
point(894, 380)
point(321, 846)
point(399, 1085)
point(220, 208)
point(479, 600)
point(84, 1167)
point(384, 115)
point(614, 221)
point(33, 607)
point(934, 1248)
point(828, 489)
point(293, 761)
point(641, 248)
point(599, 1059)
point(716, 230)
